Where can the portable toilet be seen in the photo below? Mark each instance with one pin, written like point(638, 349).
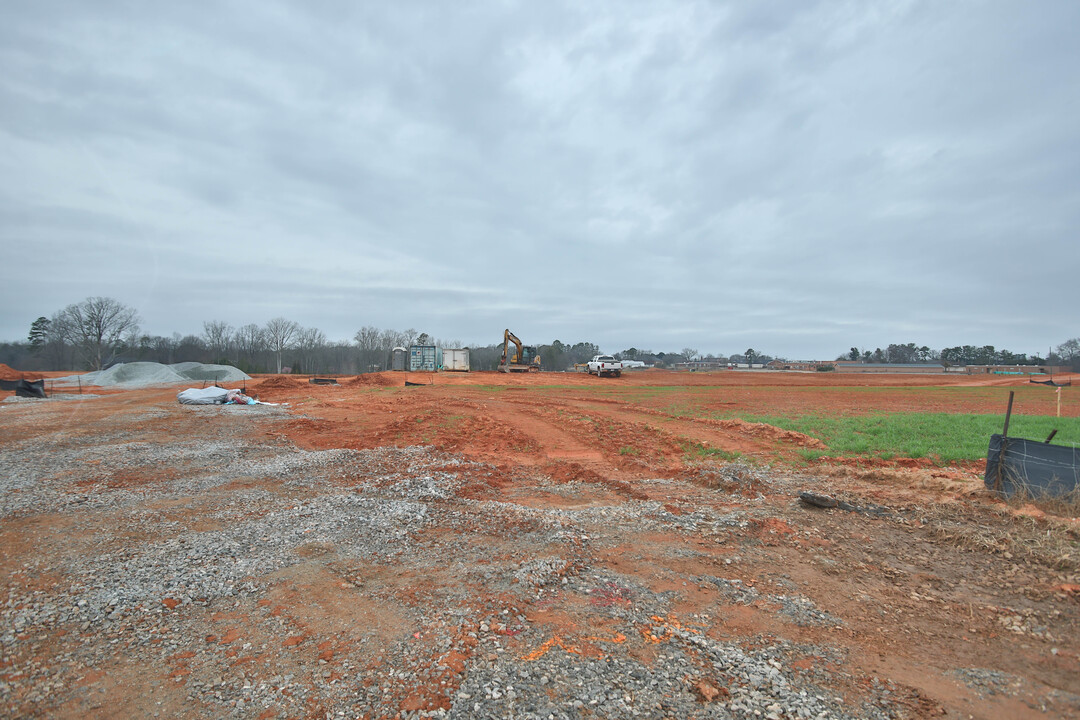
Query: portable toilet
point(399, 358)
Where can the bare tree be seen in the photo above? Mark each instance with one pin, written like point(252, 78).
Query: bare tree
point(59, 341)
point(280, 334)
point(309, 341)
point(217, 334)
point(97, 325)
point(369, 343)
point(164, 349)
point(1069, 352)
point(249, 340)
point(394, 338)
point(189, 348)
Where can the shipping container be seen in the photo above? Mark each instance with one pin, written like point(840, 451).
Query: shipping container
point(399, 358)
point(424, 358)
point(456, 359)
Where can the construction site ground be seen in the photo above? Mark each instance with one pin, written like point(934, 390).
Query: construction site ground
point(528, 545)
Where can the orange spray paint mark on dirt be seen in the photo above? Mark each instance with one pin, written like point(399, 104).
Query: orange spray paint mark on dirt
point(668, 627)
point(557, 641)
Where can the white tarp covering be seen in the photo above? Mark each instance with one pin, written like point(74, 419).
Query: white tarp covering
point(202, 396)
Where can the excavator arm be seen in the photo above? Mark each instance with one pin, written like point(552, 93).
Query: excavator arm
point(509, 337)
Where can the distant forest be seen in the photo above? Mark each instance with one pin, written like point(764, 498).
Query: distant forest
point(101, 331)
point(962, 355)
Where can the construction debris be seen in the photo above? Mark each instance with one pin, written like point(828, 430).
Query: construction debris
point(827, 501)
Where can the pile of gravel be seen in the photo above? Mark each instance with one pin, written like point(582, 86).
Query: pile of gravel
point(208, 372)
point(147, 374)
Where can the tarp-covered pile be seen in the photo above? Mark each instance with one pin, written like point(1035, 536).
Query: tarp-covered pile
point(202, 396)
point(25, 388)
point(214, 396)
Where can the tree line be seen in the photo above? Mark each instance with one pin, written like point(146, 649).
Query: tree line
point(101, 331)
point(1067, 353)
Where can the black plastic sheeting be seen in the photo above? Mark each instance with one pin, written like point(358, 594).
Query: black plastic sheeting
point(25, 388)
point(1039, 469)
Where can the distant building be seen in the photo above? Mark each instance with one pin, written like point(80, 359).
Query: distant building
point(702, 365)
point(711, 364)
point(856, 366)
point(803, 365)
point(1012, 369)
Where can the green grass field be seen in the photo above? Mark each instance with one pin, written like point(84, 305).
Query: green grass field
point(942, 437)
point(857, 425)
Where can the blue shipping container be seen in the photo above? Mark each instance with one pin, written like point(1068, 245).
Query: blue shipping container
point(424, 358)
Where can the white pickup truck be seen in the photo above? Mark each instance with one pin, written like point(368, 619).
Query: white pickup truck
point(602, 365)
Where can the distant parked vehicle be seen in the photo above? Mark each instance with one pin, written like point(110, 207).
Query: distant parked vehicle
point(602, 365)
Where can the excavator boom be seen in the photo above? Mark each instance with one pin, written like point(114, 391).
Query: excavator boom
point(509, 337)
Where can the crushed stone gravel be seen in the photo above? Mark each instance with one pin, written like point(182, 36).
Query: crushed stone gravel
point(149, 374)
point(206, 559)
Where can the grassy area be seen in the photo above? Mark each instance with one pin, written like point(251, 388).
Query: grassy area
point(943, 437)
point(694, 450)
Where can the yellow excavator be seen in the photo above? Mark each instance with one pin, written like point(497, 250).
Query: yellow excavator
point(526, 359)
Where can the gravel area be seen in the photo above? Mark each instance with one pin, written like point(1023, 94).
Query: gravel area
point(194, 563)
point(149, 374)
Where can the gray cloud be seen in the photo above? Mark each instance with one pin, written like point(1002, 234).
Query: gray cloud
point(797, 177)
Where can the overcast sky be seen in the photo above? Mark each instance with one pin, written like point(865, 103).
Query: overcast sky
point(797, 177)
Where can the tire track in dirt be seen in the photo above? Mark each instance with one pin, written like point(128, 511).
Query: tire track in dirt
point(555, 442)
point(502, 430)
point(728, 435)
point(606, 435)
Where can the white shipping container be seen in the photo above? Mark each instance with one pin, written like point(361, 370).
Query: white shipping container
point(456, 359)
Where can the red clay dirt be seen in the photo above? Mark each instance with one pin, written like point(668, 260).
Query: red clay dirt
point(957, 604)
point(925, 600)
point(637, 425)
point(614, 432)
point(9, 373)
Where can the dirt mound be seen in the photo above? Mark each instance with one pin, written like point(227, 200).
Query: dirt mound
point(381, 379)
point(8, 373)
point(771, 432)
point(280, 382)
point(568, 472)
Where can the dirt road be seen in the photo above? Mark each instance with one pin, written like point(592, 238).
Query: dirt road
point(534, 546)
